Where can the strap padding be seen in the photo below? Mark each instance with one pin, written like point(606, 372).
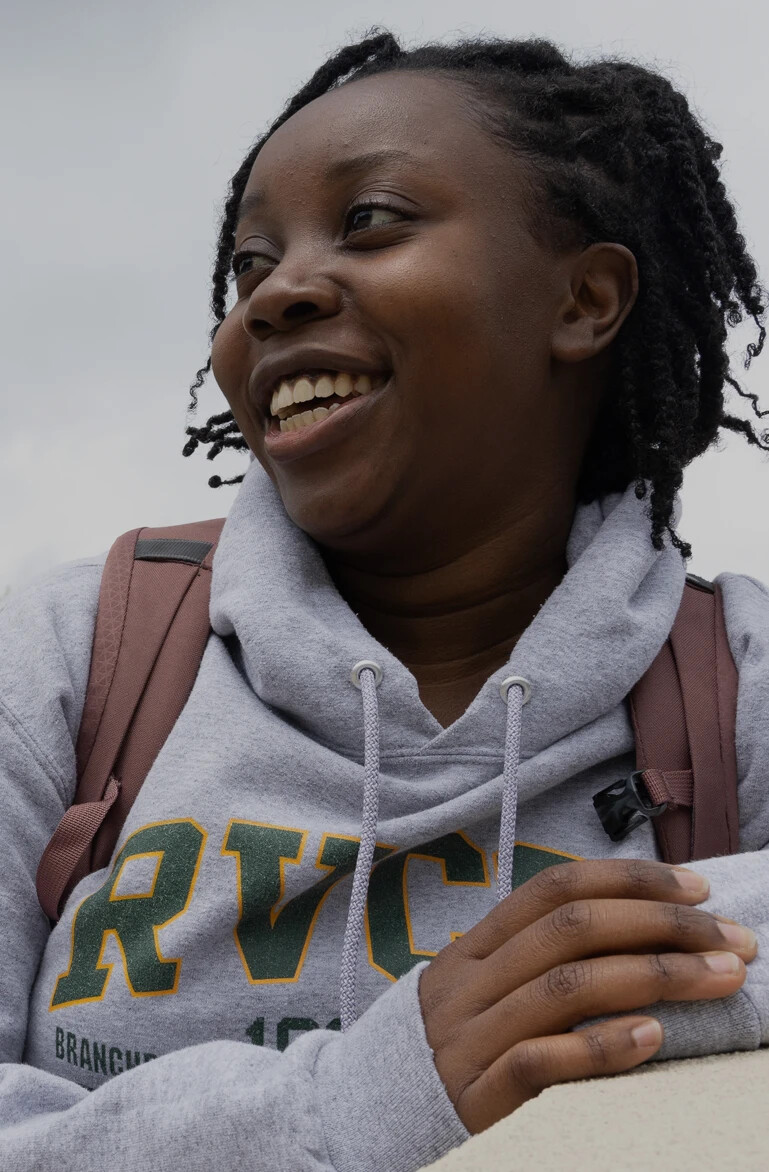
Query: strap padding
point(151, 630)
point(684, 713)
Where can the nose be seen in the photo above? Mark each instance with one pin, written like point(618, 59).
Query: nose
point(293, 292)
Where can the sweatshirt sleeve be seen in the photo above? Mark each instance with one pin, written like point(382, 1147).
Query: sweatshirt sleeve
point(367, 1100)
point(739, 884)
point(361, 1101)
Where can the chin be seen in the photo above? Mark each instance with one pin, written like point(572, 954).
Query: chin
point(345, 516)
point(336, 527)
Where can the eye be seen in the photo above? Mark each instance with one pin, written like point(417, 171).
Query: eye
point(370, 207)
point(238, 260)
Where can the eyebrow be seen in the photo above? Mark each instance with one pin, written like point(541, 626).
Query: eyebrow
point(332, 173)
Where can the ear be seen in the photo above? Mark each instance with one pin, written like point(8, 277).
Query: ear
point(603, 286)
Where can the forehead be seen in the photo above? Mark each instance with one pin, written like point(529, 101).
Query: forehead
point(423, 115)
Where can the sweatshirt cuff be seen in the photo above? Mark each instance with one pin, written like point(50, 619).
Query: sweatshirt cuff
point(696, 1028)
point(380, 1096)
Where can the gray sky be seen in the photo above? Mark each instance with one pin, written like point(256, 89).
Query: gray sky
point(121, 126)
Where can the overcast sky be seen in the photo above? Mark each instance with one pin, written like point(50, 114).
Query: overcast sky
point(121, 125)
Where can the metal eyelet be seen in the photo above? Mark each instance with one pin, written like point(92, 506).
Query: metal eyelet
point(362, 666)
point(507, 684)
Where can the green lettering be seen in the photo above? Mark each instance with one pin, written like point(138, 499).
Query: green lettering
point(99, 1057)
point(113, 1054)
point(273, 944)
point(148, 1057)
point(529, 860)
point(59, 1042)
point(134, 920)
point(72, 1049)
point(388, 924)
point(85, 1054)
point(287, 1024)
point(256, 1031)
point(132, 1060)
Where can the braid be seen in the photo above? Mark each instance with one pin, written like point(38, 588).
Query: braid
point(615, 154)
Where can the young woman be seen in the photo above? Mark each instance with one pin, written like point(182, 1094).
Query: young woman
point(477, 332)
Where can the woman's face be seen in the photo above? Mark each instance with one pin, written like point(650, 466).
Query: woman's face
point(444, 290)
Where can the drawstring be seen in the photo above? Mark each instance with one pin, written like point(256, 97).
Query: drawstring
point(367, 675)
point(521, 692)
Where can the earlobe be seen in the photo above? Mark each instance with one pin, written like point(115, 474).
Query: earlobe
point(603, 289)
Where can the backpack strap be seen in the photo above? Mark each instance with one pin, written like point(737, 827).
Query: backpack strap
point(684, 712)
point(152, 627)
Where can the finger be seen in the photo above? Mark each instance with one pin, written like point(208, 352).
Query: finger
point(530, 1066)
point(573, 992)
point(644, 879)
point(598, 927)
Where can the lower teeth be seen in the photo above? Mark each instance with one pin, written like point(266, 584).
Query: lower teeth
point(306, 418)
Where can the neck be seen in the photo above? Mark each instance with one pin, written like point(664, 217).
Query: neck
point(457, 622)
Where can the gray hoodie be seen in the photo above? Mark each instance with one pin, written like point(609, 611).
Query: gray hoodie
point(193, 986)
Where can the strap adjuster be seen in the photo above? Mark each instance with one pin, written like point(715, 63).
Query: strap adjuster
point(624, 805)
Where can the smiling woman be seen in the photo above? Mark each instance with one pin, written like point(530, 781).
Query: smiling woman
point(506, 171)
point(471, 307)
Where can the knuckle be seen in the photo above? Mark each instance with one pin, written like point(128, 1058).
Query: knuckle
point(529, 1067)
point(661, 969)
point(566, 980)
point(685, 922)
point(597, 1048)
point(642, 877)
point(556, 883)
point(572, 919)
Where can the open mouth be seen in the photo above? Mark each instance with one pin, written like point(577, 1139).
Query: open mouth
point(312, 396)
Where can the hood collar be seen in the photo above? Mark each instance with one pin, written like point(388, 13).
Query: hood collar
point(590, 642)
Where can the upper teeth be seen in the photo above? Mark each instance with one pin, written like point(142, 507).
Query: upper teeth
point(304, 387)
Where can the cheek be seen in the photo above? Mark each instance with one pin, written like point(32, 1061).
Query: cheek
point(231, 366)
point(466, 340)
point(461, 305)
point(229, 355)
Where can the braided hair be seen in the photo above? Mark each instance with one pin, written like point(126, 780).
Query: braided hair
point(618, 155)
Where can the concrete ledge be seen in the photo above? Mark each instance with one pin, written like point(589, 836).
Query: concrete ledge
point(698, 1114)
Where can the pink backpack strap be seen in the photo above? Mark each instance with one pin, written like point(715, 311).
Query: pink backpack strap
point(684, 712)
point(152, 627)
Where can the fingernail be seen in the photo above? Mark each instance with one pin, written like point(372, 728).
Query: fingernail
point(692, 882)
point(647, 1035)
point(738, 936)
point(722, 962)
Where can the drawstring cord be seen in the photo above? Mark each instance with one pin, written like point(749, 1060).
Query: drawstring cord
point(521, 691)
point(367, 676)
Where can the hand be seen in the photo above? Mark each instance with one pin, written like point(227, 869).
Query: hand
point(579, 940)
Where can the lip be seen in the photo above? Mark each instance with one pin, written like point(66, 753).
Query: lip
point(268, 372)
point(284, 446)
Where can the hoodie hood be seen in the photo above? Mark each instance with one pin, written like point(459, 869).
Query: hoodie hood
point(590, 642)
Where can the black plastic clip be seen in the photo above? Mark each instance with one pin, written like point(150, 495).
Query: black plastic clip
point(625, 805)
